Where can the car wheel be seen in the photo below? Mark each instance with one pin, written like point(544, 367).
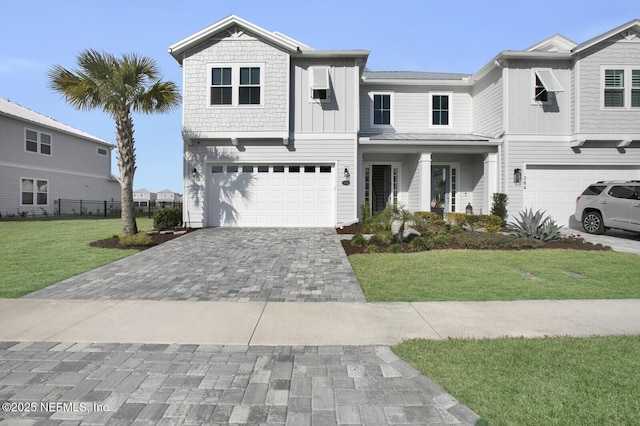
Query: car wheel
point(592, 223)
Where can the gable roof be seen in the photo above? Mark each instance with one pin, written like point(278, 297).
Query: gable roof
point(13, 110)
point(633, 24)
point(280, 40)
point(555, 43)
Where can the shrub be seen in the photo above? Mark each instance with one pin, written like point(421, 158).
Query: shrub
point(358, 240)
point(490, 223)
point(382, 238)
point(439, 241)
point(499, 207)
point(372, 249)
point(426, 216)
point(420, 244)
point(166, 218)
point(365, 214)
point(140, 239)
point(535, 225)
point(494, 241)
point(395, 248)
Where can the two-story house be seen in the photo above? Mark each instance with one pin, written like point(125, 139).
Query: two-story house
point(167, 197)
point(277, 133)
point(144, 197)
point(43, 160)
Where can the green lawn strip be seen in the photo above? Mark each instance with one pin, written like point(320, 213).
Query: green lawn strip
point(550, 381)
point(36, 254)
point(479, 275)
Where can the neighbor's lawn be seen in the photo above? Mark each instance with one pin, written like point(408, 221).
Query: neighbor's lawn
point(35, 254)
point(477, 275)
point(551, 381)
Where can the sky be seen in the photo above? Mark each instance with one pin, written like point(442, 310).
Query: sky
point(402, 35)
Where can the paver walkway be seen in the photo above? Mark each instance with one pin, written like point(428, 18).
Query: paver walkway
point(207, 384)
point(225, 264)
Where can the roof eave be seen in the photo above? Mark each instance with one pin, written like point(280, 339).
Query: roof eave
point(416, 82)
point(598, 39)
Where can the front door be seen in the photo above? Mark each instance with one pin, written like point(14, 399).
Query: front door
point(381, 185)
point(441, 187)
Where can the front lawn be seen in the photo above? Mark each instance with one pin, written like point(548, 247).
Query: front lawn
point(551, 381)
point(474, 275)
point(35, 254)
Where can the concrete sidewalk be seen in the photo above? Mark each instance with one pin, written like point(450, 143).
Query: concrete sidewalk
point(274, 323)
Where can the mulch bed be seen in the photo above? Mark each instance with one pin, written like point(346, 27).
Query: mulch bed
point(156, 239)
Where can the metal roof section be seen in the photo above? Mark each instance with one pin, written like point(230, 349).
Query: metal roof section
point(11, 109)
point(415, 78)
point(429, 138)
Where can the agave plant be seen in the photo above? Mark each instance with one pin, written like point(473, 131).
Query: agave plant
point(536, 225)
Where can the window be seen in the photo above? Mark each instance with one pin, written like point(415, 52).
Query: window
point(263, 169)
point(635, 88)
point(37, 142)
point(34, 192)
point(247, 169)
point(217, 169)
point(249, 89)
point(440, 110)
point(319, 83)
point(294, 169)
point(235, 85)
point(221, 89)
point(382, 109)
point(614, 88)
point(309, 169)
point(541, 94)
point(102, 152)
point(232, 169)
point(325, 169)
point(278, 169)
point(625, 192)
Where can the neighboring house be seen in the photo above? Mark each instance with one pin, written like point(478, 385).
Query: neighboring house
point(43, 161)
point(167, 197)
point(144, 197)
point(279, 134)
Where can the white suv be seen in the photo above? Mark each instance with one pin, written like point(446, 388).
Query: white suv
point(610, 204)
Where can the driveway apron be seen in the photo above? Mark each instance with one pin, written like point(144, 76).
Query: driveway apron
point(225, 264)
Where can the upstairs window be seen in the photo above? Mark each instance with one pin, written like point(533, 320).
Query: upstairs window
point(614, 88)
point(221, 89)
point(545, 82)
point(249, 89)
point(541, 94)
point(319, 83)
point(37, 142)
point(440, 110)
point(635, 88)
point(382, 109)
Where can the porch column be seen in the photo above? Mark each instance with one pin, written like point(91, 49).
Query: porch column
point(424, 167)
point(490, 180)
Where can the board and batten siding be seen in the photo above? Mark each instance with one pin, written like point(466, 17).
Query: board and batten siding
point(339, 114)
point(593, 118)
point(411, 109)
point(339, 152)
point(527, 116)
point(488, 104)
point(200, 116)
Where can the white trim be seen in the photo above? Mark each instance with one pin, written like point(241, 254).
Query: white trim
point(372, 94)
point(450, 110)
point(235, 84)
point(51, 170)
point(627, 86)
point(35, 192)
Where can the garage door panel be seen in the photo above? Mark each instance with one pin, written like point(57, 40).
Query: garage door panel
point(273, 196)
point(555, 188)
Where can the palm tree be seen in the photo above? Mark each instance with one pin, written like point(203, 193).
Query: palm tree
point(118, 86)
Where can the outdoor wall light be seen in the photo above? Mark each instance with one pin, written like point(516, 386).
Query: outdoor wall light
point(194, 173)
point(347, 177)
point(469, 209)
point(517, 176)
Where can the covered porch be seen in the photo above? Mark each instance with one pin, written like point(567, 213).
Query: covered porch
point(441, 173)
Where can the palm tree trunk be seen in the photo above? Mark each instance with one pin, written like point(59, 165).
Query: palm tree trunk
point(127, 166)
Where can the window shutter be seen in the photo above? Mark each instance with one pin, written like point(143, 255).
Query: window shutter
point(320, 78)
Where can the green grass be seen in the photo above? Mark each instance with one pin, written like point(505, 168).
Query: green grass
point(479, 275)
point(551, 381)
point(36, 254)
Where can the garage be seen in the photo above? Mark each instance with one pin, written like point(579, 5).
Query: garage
point(554, 188)
point(280, 195)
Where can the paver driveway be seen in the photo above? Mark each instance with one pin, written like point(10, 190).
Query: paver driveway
point(225, 264)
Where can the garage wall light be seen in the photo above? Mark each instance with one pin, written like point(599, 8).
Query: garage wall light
point(517, 176)
point(194, 173)
point(347, 177)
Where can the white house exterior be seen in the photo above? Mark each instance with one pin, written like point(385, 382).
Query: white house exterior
point(279, 134)
point(168, 197)
point(144, 197)
point(43, 160)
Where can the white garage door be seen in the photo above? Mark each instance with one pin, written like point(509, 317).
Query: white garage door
point(271, 195)
point(555, 188)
